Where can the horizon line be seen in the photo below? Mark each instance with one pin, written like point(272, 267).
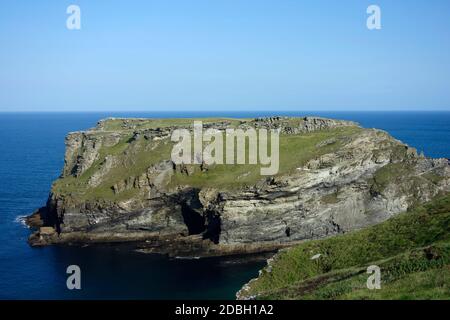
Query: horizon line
point(218, 112)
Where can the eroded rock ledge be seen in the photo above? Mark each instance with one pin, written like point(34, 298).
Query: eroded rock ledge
point(119, 185)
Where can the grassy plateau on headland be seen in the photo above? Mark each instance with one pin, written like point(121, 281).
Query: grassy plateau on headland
point(135, 157)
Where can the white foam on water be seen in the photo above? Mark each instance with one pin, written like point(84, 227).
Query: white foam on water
point(186, 258)
point(21, 220)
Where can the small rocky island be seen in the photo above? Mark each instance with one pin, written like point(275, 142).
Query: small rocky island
point(119, 185)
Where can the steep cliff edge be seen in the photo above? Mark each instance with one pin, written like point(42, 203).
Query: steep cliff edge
point(119, 184)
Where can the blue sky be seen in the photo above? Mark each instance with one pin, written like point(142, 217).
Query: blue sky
point(224, 55)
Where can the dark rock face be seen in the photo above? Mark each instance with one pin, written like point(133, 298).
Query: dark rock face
point(333, 192)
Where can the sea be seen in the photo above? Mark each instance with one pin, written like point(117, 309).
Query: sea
point(32, 156)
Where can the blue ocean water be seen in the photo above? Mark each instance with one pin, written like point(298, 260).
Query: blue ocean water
point(31, 157)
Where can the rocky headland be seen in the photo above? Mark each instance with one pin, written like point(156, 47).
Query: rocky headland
point(119, 184)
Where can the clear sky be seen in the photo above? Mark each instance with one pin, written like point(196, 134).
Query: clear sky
point(224, 55)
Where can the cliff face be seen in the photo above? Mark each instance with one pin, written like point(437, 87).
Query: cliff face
point(119, 184)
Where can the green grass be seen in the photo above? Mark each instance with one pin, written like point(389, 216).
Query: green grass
point(389, 174)
point(138, 124)
point(434, 178)
point(399, 246)
point(133, 161)
point(295, 151)
point(136, 157)
point(331, 198)
point(422, 285)
point(410, 275)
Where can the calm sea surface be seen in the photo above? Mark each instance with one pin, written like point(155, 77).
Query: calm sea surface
point(31, 157)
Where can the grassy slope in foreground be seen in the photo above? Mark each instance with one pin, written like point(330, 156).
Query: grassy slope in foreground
point(412, 250)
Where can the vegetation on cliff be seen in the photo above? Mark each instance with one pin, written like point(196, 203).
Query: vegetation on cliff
point(412, 250)
point(119, 183)
point(130, 157)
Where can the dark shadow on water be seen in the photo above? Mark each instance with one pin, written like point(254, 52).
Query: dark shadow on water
point(115, 272)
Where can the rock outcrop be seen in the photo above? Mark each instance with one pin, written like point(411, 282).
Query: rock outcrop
point(119, 185)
